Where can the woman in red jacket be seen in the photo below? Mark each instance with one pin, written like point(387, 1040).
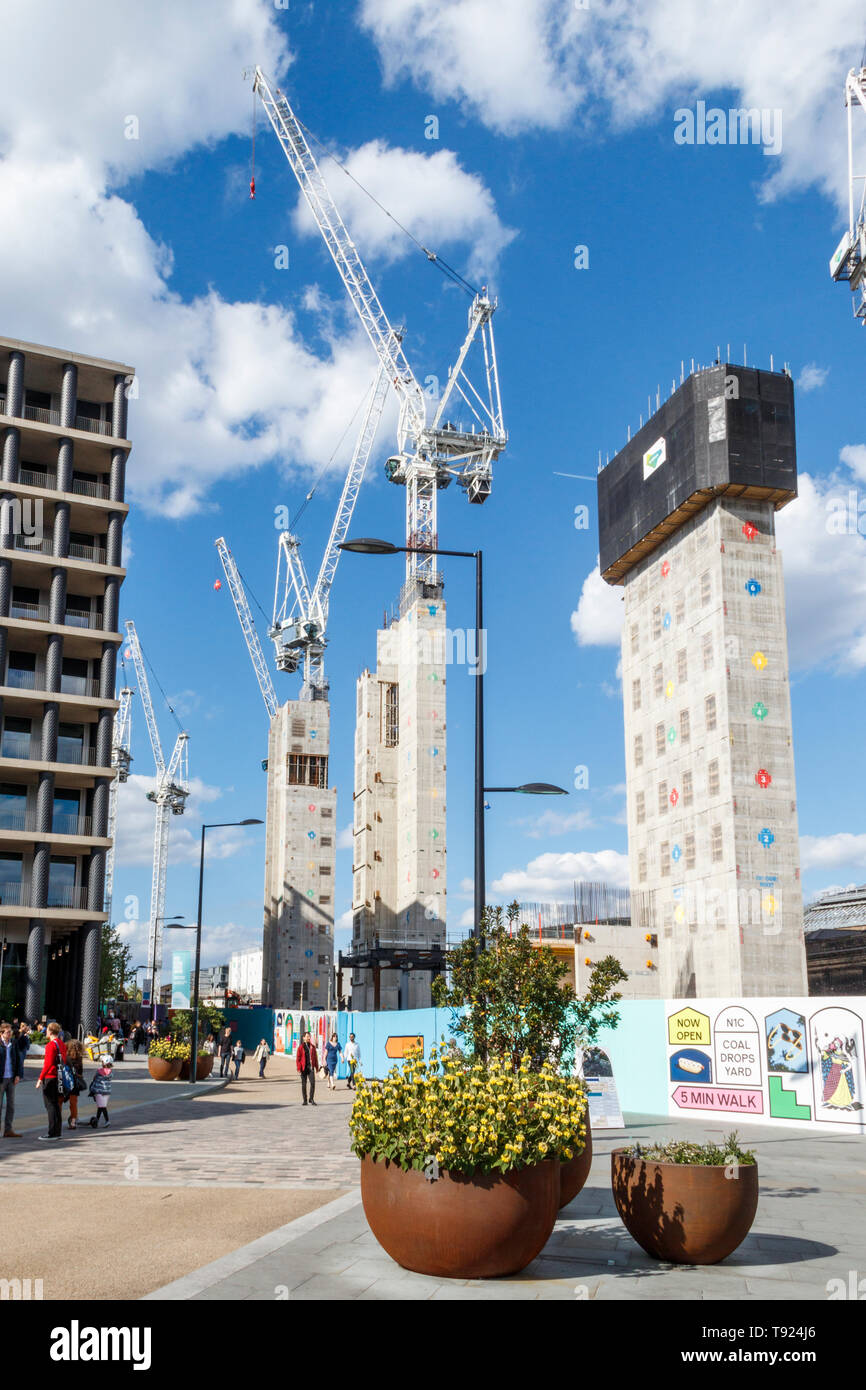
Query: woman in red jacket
point(306, 1061)
point(55, 1056)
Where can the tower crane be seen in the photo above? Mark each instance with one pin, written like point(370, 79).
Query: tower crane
point(848, 261)
point(169, 797)
point(248, 627)
point(429, 453)
point(121, 758)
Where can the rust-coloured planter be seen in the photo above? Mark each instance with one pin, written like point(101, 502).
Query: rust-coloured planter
point(203, 1069)
point(685, 1213)
point(573, 1172)
point(462, 1226)
point(163, 1070)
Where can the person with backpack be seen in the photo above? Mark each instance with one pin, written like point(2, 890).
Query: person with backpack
point(55, 1079)
point(75, 1056)
point(238, 1056)
point(100, 1090)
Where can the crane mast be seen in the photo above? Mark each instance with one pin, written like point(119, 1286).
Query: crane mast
point(428, 456)
point(848, 262)
point(121, 758)
point(248, 627)
point(169, 796)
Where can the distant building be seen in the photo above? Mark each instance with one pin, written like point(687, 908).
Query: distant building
point(835, 928)
point(213, 982)
point(245, 974)
point(598, 923)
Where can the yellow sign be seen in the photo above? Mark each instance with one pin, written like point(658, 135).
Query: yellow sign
point(689, 1025)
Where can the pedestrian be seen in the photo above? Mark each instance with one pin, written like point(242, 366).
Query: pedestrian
point(332, 1057)
point(55, 1056)
point(75, 1054)
point(238, 1057)
point(100, 1091)
point(262, 1054)
point(209, 1045)
point(23, 1039)
point(352, 1057)
point(307, 1061)
point(11, 1072)
point(139, 1037)
point(225, 1046)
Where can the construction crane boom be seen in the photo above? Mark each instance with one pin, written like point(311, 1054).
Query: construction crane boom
point(121, 758)
point(248, 627)
point(169, 796)
point(848, 262)
point(428, 457)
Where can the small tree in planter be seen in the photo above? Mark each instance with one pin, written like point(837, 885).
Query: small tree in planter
point(686, 1203)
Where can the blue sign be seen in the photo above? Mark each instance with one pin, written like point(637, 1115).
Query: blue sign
point(180, 968)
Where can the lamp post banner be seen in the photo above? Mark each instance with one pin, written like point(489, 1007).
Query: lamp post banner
point(180, 972)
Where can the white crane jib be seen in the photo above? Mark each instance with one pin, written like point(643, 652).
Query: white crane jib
point(121, 758)
point(428, 454)
point(300, 622)
point(848, 261)
point(248, 627)
point(169, 797)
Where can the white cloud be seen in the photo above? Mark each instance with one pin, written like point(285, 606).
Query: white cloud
point(597, 619)
point(832, 851)
point(550, 877)
point(135, 827)
point(551, 823)
point(812, 377)
point(430, 194)
point(536, 64)
point(346, 837)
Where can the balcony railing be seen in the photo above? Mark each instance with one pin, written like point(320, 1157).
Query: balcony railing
point(77, 617)
point(72, 825)
point(28, 747)
point(31, 478)
point(35, 680)
point(94, 553)
point(59, 895)
point(14, 894)
point(42, 416)
point(62, 824)
point(30, 612)
point(39, 546)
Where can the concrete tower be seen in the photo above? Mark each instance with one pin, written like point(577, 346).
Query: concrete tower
point(686, 520)
point(399, 878)
point(298, 943)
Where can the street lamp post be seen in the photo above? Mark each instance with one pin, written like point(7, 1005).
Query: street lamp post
point(177, 917)
point(371, 546)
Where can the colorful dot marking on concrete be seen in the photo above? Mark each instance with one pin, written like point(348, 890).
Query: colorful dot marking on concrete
point(762, 777)
point(431, 609)
point(676, 854)
point(750, 530)
point(753, 588)
point(759, 661)
point(309, 895)
point(760, 711)
point(435, 873)
point(666, 568)
point(666, 621)
point(674, 797)
point(669, 689)
point(679, 914)
point(313, 733)
point(434, 752)
point(311, 807)
point(766, 837)
point(672, 735)
point(768, 904)
point(311, 834)
point(434, 834)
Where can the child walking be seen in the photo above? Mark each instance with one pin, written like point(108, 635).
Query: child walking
point(75, 1057)
point(100, 1090)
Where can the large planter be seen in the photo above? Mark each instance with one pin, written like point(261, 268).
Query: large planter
point(162, 1070)
point(203, 1069)
point(573, 1172)
point(461, 1226)
point(684, 1213)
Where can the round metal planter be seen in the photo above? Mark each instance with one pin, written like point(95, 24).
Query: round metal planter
point(684, 1213)
point(461, 1226)
point(573, 1172)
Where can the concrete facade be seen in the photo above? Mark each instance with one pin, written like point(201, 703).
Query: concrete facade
point(399, 862)
point(636, 950)
point(301, 839)
point(63, 437)
point(245, 974)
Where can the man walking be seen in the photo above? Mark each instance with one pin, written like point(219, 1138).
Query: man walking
point(352, 1057)
point(306, 1060)
point(226, 1051)
point(55, 1057)
point(11, 1072)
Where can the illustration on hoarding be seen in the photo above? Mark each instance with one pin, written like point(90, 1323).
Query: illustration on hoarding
point(690, 1065)
point(837, 1038)
point(787, 1041)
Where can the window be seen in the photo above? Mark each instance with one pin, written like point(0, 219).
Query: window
point(706, 589)
point(638, 750)
point(690, 851)
point(680, 611)
point(716, 843)
point(665, 858)
point(326, 841)
point(660, 740)
point(710, 712)
point(61, 882)
point(13, 806)
point(327, 812)
point(296, 993)
point(325, 899)
point(22, 670)
point(635, 639)
point(70, 743)
point(16, 737)
point(67, 807)
point(324, 869)
point(390, 715)
point(682, 666)
point(688, 791)
point(713, 777)
point(307, 771)
point(299, 728)
point(635, 694)
point(685, 726)
point(73, 680)
point(641, 866)
point(640, 808)
point(657, 622)
point(658, 681)
point(707, 650)
point(663, 798)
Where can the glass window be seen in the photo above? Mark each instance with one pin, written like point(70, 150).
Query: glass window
point(640, 808)
point(635, 694)
point(13, 806)
point(682, 666)
point(713, 778)
point(707, 650)
point(706, 589)
point(658, 681)
point(710, 711)
point(688, 792)
point(716, 843)
point(663, 798)
point(660, 740)
point(16, 737)
point(70, 743)
point(638, 750)
point(685, 726)
point(21, 674)
point(67, 807)
point(690, 851)
point(73, 679)
point(665, 858)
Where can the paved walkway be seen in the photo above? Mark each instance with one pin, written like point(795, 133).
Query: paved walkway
point(808, 1230)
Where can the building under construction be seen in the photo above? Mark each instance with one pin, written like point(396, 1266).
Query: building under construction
point(687, 528)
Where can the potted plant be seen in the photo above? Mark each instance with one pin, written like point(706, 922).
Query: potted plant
point(686, 1203)
point(165, 1059)
point(204, 1065)
point(460, 1160)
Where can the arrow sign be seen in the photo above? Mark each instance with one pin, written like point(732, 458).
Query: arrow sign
point(719, 1098)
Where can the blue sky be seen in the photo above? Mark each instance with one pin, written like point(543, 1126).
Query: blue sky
point(556, 129)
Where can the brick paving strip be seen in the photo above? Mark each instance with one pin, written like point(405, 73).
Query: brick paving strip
point(806, 1233)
